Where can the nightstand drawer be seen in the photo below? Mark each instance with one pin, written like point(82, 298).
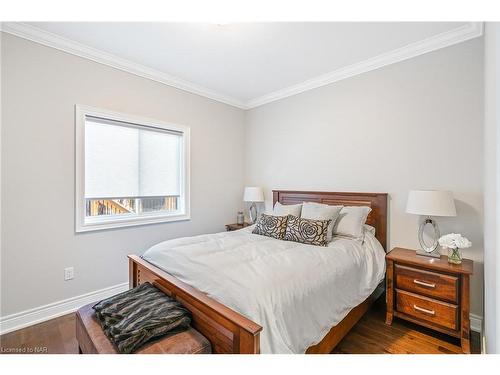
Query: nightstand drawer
point(428, 309)
point(427, 283)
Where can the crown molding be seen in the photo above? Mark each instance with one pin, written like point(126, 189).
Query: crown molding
point(49, 39)
point(461, 34)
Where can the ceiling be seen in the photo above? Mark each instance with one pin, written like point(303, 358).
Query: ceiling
point(249, 64)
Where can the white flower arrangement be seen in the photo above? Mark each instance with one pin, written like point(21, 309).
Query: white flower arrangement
point(454, 241)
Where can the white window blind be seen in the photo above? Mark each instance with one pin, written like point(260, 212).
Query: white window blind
point(127, 160)
point(129, 170)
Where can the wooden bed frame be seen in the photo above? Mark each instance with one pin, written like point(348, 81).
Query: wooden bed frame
point(230, 332)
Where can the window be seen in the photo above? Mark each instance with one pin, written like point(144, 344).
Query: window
point(129, 171)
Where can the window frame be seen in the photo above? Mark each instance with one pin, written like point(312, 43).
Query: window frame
point(118, 221)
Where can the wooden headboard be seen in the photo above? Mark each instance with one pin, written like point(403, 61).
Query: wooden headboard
point(376, 201)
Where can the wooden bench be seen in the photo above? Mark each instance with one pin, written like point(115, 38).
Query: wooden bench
point(92, 340)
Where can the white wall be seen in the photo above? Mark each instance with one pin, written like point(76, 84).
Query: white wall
point(40, 87)
point(492, 187)
point(417, 124)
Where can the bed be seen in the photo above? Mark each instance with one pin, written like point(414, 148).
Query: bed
point(230, 281)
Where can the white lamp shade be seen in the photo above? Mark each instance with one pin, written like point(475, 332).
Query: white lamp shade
point(253, 194)
point(431, 203)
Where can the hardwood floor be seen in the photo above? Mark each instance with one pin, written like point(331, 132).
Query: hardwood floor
point(56, 336)
point(370, 335)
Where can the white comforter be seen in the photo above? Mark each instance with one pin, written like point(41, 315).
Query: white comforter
point(295, 292)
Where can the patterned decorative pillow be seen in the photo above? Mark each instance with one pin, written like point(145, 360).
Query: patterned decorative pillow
point(271, 226)
point(311, 232)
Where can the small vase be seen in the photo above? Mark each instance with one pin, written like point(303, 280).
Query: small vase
point(454, 256)
point(240, 219)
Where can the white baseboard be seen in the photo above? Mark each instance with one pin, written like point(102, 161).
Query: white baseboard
point(40, 314)
point(476, 323)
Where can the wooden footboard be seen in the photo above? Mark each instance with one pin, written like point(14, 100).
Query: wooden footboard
point(227, 330)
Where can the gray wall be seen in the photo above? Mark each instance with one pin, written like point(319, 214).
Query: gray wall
point(417, 124)
point(40, 87)
point(492, 187)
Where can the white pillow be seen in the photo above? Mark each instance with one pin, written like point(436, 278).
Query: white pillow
point(287, 209)
point(369, 229)
point(319, 211)
point(350, 221)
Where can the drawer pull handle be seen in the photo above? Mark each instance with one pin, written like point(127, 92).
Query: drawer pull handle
point(428, 285)
point(430, 312)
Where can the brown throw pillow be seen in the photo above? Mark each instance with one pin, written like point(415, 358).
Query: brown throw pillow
point(307, 231)
point(271, 226)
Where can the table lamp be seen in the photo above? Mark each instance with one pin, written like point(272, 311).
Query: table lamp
point(253, 195)
point(430, 203)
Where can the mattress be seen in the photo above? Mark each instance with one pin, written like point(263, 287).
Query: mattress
point(296, 292)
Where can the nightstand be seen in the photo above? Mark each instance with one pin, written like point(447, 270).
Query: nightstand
point(430, 292)
point(231, 227)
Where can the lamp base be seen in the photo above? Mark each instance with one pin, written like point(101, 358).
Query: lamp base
point(252, 211)
point(425, 249)
point(434, 254)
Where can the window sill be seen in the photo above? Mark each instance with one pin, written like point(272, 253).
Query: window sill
point(115, 223)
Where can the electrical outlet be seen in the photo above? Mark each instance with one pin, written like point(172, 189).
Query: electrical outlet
point(69, 273)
